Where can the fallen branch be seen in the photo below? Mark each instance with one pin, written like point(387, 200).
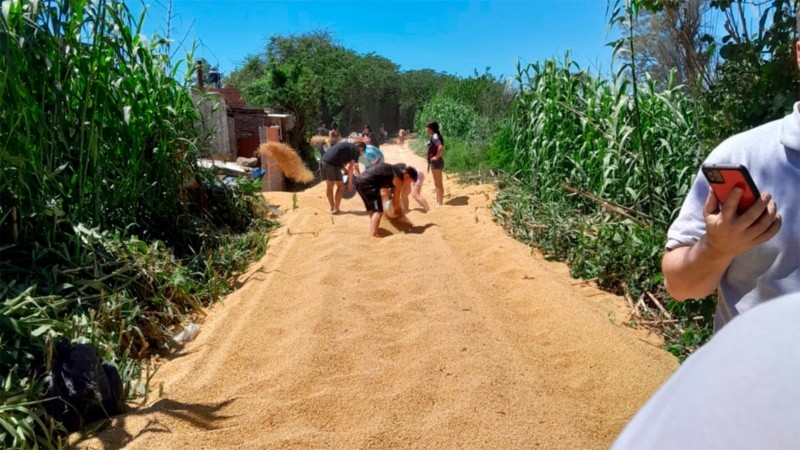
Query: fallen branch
point(631, 305)
point(608, 206)
point(658, 322)
point(293, 233)
point(508, 215)
point(641, 304)
point(659, 305)
point(634, 307)
point(662, 321)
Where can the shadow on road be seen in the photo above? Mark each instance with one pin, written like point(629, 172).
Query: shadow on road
point(420, 229)
point(205, 416)
point(458, 201)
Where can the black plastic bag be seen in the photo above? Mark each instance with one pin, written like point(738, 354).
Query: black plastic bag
point(84, 389)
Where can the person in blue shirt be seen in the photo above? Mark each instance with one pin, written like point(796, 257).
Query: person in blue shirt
point(372, 155)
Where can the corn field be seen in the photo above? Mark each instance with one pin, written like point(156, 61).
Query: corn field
point(109, 233)
point(593, 187)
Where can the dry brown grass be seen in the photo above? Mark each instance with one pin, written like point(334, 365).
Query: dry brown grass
point(315, 140)
point(288, 161)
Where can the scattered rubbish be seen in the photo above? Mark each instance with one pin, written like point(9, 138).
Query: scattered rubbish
point(188, 334)
point(224, 167)
point(275, 210)
point(247, 162)
point(258, 172)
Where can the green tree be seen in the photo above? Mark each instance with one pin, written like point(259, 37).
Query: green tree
point(372, 95)
point(291, 88)
point(254, 68)
point(317, 52)
point(416, 88)
point(673, 43)
point(757, 80)
point(486, 94)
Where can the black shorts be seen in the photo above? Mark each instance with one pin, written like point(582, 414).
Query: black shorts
point(436, 165)
point(370, 196)
point(329, 172)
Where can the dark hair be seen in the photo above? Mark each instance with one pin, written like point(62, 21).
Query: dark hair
point(368, 127)
point(334, 125)
point(360, 144)
point(412, 172)
point(434, 126)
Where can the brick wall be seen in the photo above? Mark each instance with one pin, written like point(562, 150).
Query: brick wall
point(246, 129)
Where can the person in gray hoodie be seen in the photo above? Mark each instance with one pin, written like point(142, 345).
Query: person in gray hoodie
point(752, 257)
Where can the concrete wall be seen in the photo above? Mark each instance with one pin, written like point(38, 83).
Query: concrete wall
point(214, 124)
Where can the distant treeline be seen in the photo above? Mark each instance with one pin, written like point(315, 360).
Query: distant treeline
point(316, 79)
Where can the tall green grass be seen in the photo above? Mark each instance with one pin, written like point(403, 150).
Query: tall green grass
point(94, 114)
point(466, 132)
point(594, 171)
point(590, 185)
point(108, 231)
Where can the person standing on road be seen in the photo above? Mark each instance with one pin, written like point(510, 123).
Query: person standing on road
point(435, 158)
point(383, 136)
point(333, 135)
point(367, 133)
point(342, 156)
point(380, 177)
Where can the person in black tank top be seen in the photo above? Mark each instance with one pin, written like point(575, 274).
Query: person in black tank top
point(436, 159)
point(380, 176)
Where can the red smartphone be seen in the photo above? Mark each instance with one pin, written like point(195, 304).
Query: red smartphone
point(724, 177)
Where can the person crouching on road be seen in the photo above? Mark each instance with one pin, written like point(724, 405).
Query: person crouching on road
point(381, 176)
point(342, 156)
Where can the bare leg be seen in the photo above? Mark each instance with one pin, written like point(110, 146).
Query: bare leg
point(417, 194)
point(437, 181)
point(339, 194)
point(404, 197)
point(329, 192)
point(374, 221)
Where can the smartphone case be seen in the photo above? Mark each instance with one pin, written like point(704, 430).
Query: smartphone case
point(732, 175)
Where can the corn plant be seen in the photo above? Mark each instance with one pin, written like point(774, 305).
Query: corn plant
point(581, 189)
point(108, 231)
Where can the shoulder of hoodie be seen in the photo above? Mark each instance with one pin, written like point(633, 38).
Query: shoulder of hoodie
point(748, 144)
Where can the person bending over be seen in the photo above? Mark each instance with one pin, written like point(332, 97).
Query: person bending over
point(342, 156)
point(372, 156)
point(378, 177)
point(415, 191)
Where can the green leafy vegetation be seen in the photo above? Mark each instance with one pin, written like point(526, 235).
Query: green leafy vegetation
point(594, 169)
point(109, 233)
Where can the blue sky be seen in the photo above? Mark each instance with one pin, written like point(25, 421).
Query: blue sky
point(456, 37)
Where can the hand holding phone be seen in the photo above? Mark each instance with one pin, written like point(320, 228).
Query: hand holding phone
point(756, 219)
point(724, 177)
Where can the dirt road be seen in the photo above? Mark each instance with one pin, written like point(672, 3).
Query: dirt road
point(451, 336)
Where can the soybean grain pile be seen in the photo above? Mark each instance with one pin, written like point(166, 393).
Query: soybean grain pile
point(452, 335)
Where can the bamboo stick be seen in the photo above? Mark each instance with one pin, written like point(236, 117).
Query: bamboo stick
point(659, 305)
